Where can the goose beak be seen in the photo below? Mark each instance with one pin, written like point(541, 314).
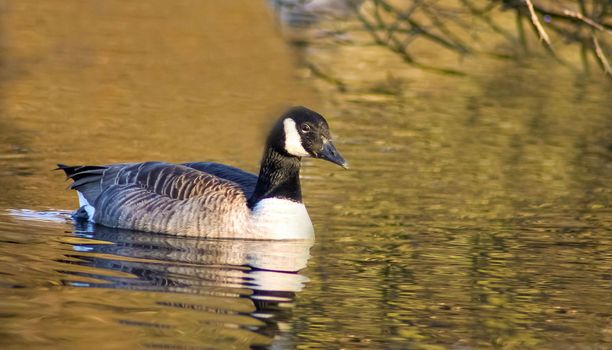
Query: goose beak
point(330, 153)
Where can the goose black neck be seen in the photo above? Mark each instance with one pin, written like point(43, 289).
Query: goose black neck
point(279, 177)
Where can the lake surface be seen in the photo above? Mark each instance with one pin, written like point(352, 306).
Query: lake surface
point(476, 214)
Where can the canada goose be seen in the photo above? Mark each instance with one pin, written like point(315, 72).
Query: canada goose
point(209, 199)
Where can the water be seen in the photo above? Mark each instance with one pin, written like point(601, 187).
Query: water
point(476, 213)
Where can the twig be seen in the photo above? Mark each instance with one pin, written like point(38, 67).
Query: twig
point(395, 26)
point(420, 28)
point(373, 32)
point(584, 56)
point(326, 77)
point(521, 31)
point(395, 45)
point(484, 16)
point(537, 25)
point(561, 15)
point(444, 30)
point(601, 57)
point(586, 20)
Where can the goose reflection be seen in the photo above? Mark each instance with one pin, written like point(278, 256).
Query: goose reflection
point(265, 273)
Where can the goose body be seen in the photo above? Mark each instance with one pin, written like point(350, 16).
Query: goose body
point(204, 199)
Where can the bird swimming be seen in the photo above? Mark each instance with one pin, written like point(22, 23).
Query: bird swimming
point(205, 199)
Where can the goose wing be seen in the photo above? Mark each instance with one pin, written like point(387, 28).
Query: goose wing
point(245, 180)
point(159, 197)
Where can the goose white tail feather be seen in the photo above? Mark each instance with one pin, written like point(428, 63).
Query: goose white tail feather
point(89, 209)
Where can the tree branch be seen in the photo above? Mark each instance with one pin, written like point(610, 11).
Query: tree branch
point(601, 56)
point(535, 21)
point(586, 20)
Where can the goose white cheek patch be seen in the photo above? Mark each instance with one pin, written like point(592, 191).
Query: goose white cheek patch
point(293, 140)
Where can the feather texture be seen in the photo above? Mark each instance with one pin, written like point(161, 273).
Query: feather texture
point(245, 180)
point(164, 198)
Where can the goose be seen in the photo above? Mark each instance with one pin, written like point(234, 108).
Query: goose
point(211, 200)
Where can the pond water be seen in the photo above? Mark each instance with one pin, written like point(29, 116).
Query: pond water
point(476, 213)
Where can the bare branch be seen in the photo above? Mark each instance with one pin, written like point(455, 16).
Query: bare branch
point(586, 20)
point(443, 24)
point(537, 25)
point(421, 28)
point(601, 57)
point(484, 16)
point(561, 15)
point(444, 29)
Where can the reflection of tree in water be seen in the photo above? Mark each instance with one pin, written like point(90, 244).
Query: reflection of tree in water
point(484, 192)
point(221, 273)
point(461, 26)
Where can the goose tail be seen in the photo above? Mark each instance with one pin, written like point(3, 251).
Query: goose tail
point(87, 180)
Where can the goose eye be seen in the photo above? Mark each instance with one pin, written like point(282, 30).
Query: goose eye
point(305, 127)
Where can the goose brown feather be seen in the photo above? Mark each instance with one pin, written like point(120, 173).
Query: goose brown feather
point(162, 197)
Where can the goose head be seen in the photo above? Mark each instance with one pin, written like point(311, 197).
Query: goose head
point(302, 132)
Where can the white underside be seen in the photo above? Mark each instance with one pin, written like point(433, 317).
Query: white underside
point(275, 218)
point(88, 208)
